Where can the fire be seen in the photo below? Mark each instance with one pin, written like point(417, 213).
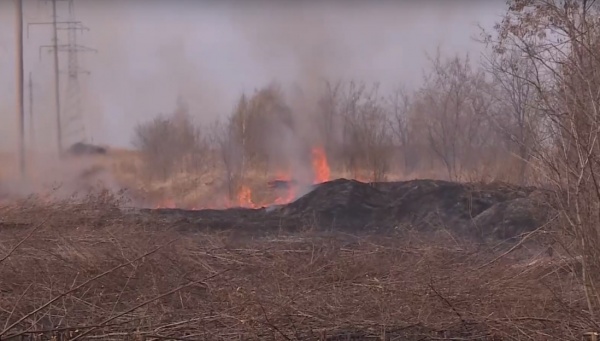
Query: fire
point(286, 191)
point(245, 197)
point(320, 165)
point(287, 198)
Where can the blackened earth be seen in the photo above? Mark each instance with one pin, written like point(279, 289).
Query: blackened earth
point(494, 211)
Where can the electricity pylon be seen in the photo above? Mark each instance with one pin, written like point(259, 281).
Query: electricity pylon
point(69, 119)
point(74, 117)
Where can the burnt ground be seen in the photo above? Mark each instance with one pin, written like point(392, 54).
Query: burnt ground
point(495, 211)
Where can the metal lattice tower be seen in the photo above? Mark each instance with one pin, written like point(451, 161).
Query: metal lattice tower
point(74, 118)
point(69, 116)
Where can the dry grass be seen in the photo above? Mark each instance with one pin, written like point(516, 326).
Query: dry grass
point(124, 169)
point(87, 271)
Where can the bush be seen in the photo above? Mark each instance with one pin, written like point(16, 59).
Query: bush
point(170, 144)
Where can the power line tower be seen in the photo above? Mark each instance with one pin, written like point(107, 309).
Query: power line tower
point(74, 118)
point(70, 121)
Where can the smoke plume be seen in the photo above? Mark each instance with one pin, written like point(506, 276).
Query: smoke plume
point(151, 53)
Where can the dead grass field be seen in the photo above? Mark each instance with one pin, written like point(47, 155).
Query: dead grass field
point(124, 169)
point(87, 271)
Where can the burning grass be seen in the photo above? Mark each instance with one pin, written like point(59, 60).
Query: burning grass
point(88, 271)
point(206, 187)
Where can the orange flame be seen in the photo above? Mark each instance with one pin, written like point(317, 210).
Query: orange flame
point(290, 193)
point(287, 198)
point(245, 197)
point(320, 165)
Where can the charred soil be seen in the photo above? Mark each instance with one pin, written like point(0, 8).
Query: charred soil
point(495, 211)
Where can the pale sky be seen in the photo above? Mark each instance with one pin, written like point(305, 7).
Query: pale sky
point(209, 52)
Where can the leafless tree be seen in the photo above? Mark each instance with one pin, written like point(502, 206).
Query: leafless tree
point(516, 115)
point(231, 151)
point(257, 122)
point(170, 144)
point(367, 131)
point(331, 118)
point(561, 40)
point(453, 106)
point(350, 111)
point(400, 103)
point(376, 136)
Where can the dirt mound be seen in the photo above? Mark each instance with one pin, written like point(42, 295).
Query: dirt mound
point(481, 211)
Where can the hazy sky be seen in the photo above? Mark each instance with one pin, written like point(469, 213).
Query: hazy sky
point(209, 52)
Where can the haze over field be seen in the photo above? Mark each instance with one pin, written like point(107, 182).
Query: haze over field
point(152, 52)
point(304, 170)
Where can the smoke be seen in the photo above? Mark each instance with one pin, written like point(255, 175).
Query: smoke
point(151, 53)
point(303, 45)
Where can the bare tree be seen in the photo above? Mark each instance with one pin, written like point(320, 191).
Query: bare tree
point(561, 40)
point(516, 115)
point(257, 122)
point(400, 103)
point(231, 152)
point(453, 107)
point(367, 131)
point(375, 135)
point(169, 144)
point(350, 110)
point(331, 118)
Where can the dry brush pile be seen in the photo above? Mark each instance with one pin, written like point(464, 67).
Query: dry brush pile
point(86, 271)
